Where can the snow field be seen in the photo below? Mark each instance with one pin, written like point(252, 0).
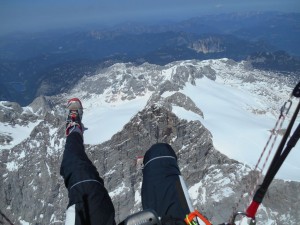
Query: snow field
point(237, 132)
point(103, 119)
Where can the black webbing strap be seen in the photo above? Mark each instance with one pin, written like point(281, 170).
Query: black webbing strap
point(296, 91)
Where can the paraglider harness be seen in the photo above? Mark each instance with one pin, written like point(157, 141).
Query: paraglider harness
point(149, 217)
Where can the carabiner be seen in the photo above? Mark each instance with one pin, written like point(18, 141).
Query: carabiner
point(252, 221)
point(286, 108)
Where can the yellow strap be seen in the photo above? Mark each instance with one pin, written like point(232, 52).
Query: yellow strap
point(187, 219)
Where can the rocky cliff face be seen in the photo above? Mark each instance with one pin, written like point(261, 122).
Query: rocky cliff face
point(208, 45)
point(32, 191)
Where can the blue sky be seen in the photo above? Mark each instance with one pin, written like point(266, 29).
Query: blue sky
point(30, 15)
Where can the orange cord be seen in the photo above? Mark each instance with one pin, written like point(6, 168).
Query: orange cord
point(196, 214)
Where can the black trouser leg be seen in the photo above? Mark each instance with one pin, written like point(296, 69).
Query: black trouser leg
point(162, 188)
point(85, 187)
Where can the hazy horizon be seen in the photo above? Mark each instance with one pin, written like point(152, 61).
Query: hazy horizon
point(34, 15)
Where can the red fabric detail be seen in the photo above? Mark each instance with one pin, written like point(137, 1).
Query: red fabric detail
point(252, 209)
point(75, 100)
point(73, 116)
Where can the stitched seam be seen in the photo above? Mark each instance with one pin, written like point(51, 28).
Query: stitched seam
point(84, 182)
point(160, 157)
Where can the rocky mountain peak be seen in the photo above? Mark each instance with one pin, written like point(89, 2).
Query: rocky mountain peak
point(126, 81)
point(41, 105)
point(31, 147)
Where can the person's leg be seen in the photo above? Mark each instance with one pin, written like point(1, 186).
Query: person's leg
point(89, 202)
point(75, 165)
point(88, 197)
point(163, 189)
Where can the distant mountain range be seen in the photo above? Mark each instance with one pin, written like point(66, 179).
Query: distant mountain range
point(49, 63)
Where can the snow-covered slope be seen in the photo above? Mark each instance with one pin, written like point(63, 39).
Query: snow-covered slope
point(240, 104)
point(13, 128)
point(196, 106)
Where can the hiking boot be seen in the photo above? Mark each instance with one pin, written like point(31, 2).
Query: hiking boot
point(73, 122)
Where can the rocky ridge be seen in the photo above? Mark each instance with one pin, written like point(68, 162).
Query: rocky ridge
point(32, 190)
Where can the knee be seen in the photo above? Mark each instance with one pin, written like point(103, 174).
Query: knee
point(160, 149)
